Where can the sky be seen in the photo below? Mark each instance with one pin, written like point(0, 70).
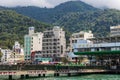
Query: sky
point(52, 3)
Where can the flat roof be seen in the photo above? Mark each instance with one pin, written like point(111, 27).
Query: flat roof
point(97, 38)
point(97, 53)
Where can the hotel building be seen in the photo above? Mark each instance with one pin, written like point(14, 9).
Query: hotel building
point(32, 43)
point(78, 38)
point(47, 46)
point(53, 45)
point(104, 51)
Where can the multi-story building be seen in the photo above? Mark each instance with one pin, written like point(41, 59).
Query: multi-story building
point(99, 44)
point(82, 35)
point(5, 55)
point(111, 43)
point(47, 46)
point(53, 46)
point(115, 30)
point(17, 54)
point(100, 51)
point(32, 43)
point(78, 38)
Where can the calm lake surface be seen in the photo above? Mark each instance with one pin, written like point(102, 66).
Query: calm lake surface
point(84, 77)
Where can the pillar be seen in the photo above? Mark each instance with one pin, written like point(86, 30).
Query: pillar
point(10, 77)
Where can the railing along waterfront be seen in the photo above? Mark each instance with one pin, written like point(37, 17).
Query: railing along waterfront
point(49, 67)
point(42, 70)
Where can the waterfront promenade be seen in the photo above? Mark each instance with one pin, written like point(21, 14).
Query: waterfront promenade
point(26, 71)
point(43, 73)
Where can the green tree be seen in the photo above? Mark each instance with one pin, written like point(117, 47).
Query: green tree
point(0, 54)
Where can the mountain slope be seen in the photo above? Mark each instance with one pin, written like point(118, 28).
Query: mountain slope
point(98, 21)
point(75, 16)
point(14, 26)
point(74, 6)
point(50, 15)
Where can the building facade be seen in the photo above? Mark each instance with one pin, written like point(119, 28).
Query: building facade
point(53, 45)
point(78, 38)
point(82, 35)
point(5, 55)
point(17, 48)
point(32, 43)
point(115, 30)
point(100, 51)
point(99, 44)
point(17, 54)
point(47, 46)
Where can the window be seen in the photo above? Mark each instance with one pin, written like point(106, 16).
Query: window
point(72, 41)
point(36, 56)
point(73, 58)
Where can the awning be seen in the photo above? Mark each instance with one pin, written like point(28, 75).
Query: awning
point(97, 53)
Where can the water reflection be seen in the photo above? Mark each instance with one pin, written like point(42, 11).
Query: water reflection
point(83, 77)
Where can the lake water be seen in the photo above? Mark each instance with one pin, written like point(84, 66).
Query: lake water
point(84, 77)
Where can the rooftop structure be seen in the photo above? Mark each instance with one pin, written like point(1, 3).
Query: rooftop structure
point(115, 30)
point(82, 35)
point(17, 48)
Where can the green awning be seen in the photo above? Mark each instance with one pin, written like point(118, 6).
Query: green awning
point(97, 53)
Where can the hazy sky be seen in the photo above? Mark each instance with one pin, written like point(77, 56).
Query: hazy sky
point(52, 3)
point(104, 3)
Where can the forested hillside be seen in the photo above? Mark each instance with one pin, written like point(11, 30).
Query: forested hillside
point(98, 21)
point(14, 26)
point(50, 15)
point(73, 16)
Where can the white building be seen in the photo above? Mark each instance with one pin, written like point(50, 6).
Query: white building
point(78, 38)
point(100, 47)
point(99, 44)
point(32, 42)
point(17, 54)
point(115, 31)
point(5, 55)
point(82, 35)
point(54, 45)
point(17, 48)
